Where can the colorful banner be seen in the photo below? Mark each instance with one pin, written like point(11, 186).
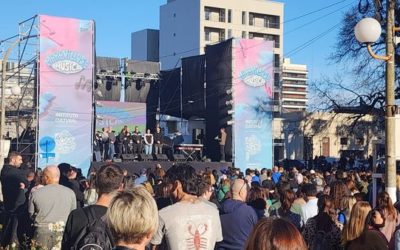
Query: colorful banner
point(65, 91)
point(253, 103)
point(118, 114)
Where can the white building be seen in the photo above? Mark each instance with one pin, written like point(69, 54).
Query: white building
point(187, 26)
point(294, 86)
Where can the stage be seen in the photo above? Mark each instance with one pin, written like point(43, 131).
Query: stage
point(134, 167)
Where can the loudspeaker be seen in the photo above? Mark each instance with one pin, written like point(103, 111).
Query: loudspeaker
point(161, 157)
point(128, 157)
point(144, 157)
point(179, 157)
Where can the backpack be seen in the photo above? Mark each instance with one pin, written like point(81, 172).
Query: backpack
point(96, 235)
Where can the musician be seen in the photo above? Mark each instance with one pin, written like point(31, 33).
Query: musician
point(106, 143)
point(222, 140)
point(112, 139)
point(158, 141)
point(137, 141)
point(123, 141)
point(148, 142)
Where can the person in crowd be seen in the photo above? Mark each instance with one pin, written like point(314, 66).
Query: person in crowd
point(148, 142)
point(112, 141)
point(276, 175)
point(137, 141)
point(355, 234)
point(376, 221)
point(142, 178)
point(287, 198)
point(13, 183)
point(189, 223)
point(50, 204)
point(277, 234)
point(223, 191)
point(268, 183)
point(257, 200)
point(322, 231)
point(162, 196)
point(384, 203)
point(90, 194)
point(109, 178)
point(158, 141)
point(237, 218)
point(338, 193)
point(131, 219)
point(310, 209)
point(206, 190)
point(74, 185)
point(263, 175)
point(159, 172)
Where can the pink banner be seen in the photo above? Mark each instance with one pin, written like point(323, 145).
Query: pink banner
point(65, 91)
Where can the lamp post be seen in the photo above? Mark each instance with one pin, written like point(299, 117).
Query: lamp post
point(368, 30)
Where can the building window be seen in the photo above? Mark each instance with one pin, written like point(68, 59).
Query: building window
point(251, 36)
point(277, 62)
point(222, 35)
point(207, 13)
point(243, 34)
point(174, 14)
point(229, 33)
point(244, 17)
point(174, 34)
point(222, 15)
point(344, 140)
point(360, 141)
point(229, 16)
point(276, 79)
point(251, 19)
point(207, 35)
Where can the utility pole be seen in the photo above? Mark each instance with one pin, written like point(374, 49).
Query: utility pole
point(390, 103)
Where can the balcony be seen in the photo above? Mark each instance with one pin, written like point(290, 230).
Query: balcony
point(214, 14)
point(264, 21)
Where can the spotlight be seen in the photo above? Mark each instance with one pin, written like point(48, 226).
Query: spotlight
point(138, 84)
point(109, 84)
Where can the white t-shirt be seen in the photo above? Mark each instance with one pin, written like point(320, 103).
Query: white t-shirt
point(309, 210)
point(189, 226)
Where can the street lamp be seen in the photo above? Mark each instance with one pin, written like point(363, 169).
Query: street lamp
point(368, 30)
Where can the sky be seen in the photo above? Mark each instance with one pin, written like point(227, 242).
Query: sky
point(116, 19)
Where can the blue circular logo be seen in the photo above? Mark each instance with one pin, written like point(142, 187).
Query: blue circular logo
point(47, 144)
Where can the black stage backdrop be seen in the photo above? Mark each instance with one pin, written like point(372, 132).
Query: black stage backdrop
point(152, 105)
point(218, 80)
point(193, 72)
point(170, 92)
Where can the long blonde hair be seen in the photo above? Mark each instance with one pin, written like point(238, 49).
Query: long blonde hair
point(356, 224)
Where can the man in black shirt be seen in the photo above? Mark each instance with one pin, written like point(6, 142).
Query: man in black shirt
point(13, 183)
point(137, 141)
point(158, 141)
point(108, 179)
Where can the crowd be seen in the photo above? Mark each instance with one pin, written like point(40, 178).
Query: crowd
point(181, 208)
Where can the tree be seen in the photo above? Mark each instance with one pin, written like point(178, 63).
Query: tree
point(364, 92)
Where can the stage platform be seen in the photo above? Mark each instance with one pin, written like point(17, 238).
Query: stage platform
point(135, 167)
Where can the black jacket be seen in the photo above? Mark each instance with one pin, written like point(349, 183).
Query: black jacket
point(11, 179)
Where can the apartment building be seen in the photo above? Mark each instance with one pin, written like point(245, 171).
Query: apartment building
point(294, 87)
point(187, 26)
